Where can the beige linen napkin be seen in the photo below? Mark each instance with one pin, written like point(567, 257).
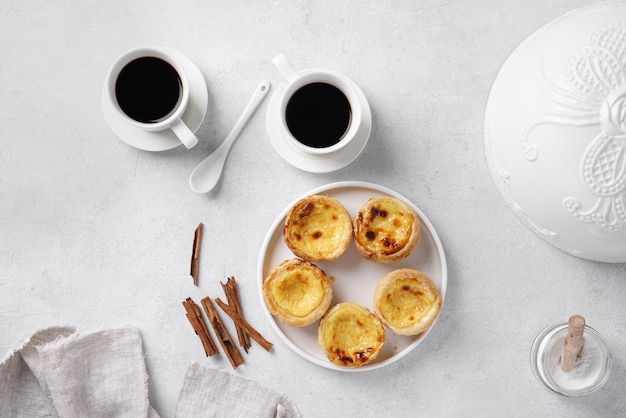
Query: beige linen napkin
point(57, 373)
point(208, 393)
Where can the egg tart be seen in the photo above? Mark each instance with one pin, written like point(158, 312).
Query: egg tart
point(350, 335)
point(407, 301)
point(386, 230)
point(318, 228)
point(297, 292)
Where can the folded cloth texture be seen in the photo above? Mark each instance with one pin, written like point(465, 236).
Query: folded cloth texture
point(58, 373)
point(208, 393)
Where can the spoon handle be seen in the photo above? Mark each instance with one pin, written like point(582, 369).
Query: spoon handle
point(258, 95)
point(207, 174)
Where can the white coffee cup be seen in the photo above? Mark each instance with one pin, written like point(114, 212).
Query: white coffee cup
point(139, 60)
point(310, 79)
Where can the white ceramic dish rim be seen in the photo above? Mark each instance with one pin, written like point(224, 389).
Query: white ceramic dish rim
point(425, 224)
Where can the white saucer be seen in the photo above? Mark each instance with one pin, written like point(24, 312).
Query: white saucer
point(162, 140)
point(312, 162)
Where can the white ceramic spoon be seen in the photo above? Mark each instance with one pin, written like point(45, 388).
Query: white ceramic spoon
point(207, 174)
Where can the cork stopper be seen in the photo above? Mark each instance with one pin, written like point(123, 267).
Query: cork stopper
point(573, 344)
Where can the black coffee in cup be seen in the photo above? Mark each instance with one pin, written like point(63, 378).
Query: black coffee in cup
point(148, 89)
point(318, 115)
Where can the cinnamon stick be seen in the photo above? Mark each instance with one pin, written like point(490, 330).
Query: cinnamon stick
point(232, 296)
point(241, 322)
point(234, 356)
point(194, 315)
point(573, 344)
point(195, 254)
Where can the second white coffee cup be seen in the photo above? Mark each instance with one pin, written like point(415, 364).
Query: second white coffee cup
point(320, 110)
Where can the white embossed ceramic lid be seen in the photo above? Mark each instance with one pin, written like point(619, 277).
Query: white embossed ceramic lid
point(555, 132)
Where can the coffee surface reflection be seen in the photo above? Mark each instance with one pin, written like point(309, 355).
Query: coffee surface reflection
point(318, 115)
point(148, 89)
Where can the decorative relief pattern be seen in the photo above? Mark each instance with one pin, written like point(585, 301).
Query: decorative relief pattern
point(596, 95)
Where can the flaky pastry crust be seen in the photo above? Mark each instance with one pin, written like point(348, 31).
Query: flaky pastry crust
point(407, 301)
point(386, 230)
point(318, 228)
point(350, 335)
point(297, 292)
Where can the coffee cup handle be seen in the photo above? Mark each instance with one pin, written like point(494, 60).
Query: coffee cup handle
point(285, 68)
point(183, 133)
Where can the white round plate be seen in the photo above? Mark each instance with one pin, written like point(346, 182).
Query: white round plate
point(354, 277)
point(316, 163)
point(162, 140)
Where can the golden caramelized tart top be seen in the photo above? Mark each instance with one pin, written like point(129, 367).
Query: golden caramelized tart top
point(350, 335)
point(407, 301)
point(318, 228)
point(297, 292)
point(386, 230)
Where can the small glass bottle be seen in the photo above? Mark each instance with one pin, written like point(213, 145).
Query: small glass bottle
point(590, 371)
